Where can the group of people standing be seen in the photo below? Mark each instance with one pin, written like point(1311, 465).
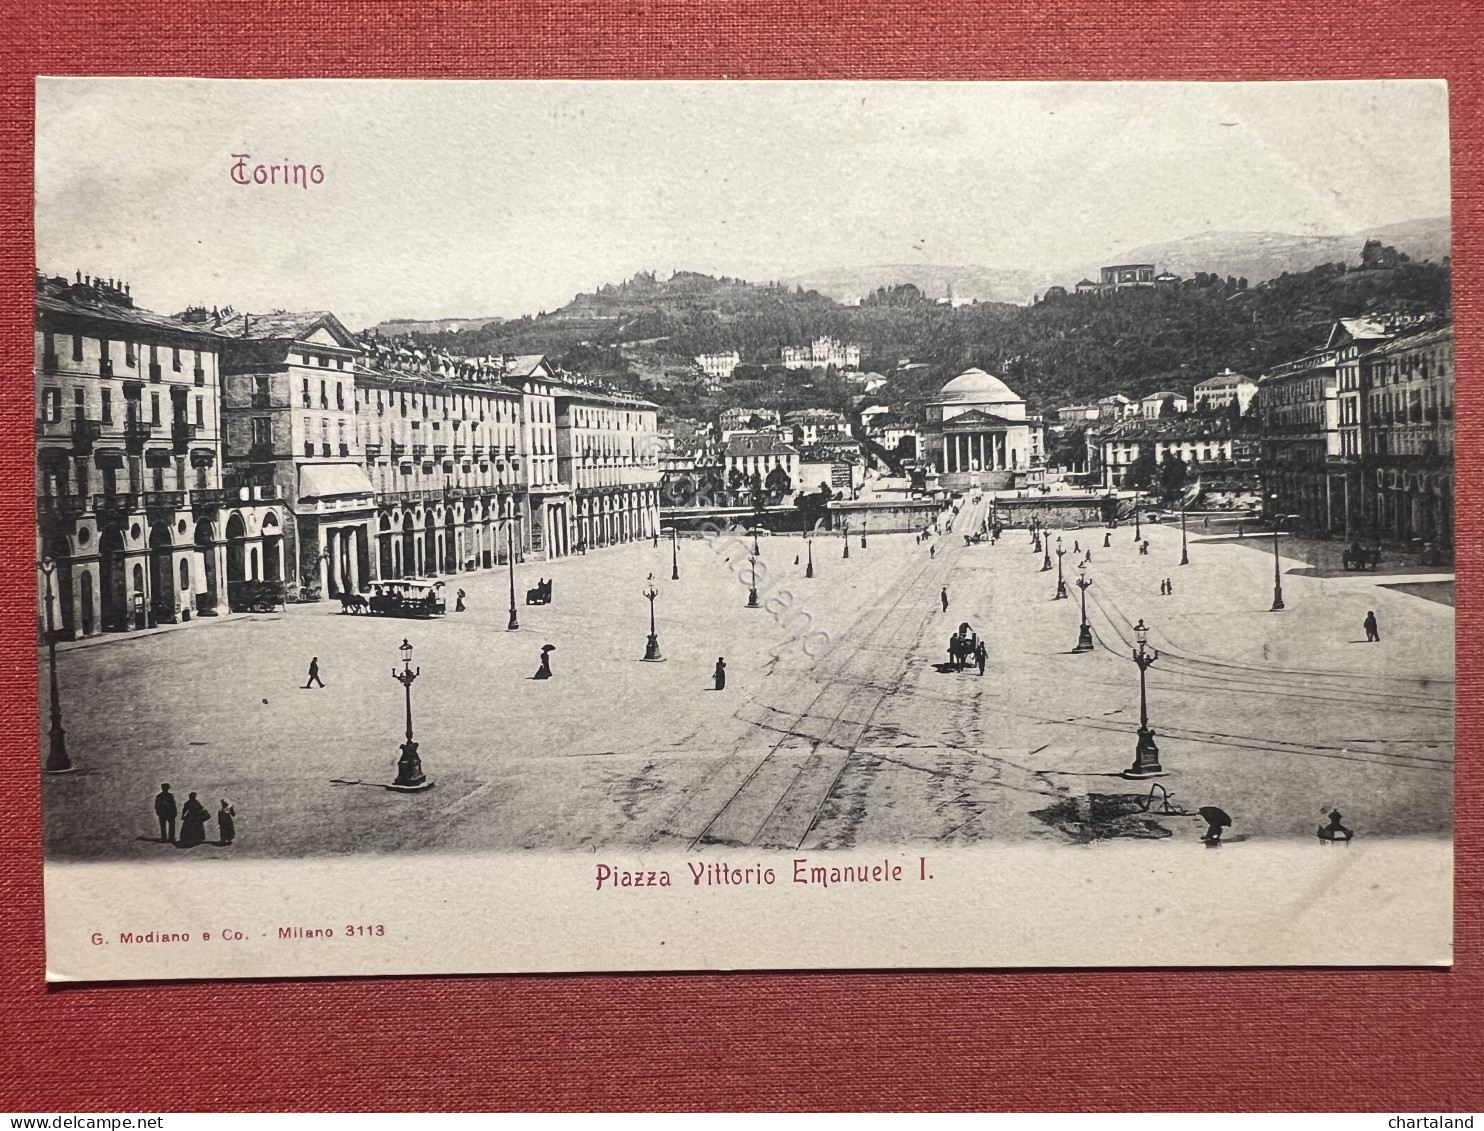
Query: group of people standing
point(193, 820)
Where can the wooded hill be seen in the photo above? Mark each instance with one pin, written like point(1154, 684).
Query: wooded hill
point(643, 333)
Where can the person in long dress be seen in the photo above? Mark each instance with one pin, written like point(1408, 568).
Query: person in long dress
point(720, 675)
point(193, 818)
point(226, 824)
point(544, 671)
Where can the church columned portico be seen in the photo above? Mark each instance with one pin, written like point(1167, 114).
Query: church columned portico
point(979, 435)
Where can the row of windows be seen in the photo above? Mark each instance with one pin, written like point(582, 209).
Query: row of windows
point(105, 355)
point(51, 406)
point(321, 360)
point(504, 408)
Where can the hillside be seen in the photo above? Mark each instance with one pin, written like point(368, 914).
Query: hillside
point(1266, 255)
point(394, 327)
point(968, 283)
point(643, 333)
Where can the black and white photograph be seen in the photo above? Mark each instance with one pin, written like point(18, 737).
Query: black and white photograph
point(524, 526)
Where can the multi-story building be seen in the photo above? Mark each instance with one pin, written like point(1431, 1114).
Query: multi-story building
point(1224, 389)
point(551, 508)
point(766, 455)
point(822, 353)
point(441, 438)
point(1406, 485)
point(608, 450)
point(1153, 405)
point(733, 420)
point(130, 502)
point(809, 424)
point(1300, 436)
point(1200, 443)
point(719, 365)
point(289, 421)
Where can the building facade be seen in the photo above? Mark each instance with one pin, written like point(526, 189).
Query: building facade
point(766, 455)
point(1200, 444)
point(1223, 390)
point(978, 433)
point(719, 365)
point(1300, 436)
point(289, 424)
point(608, 450)
point(1153, 405)
point(130, 503)
point(821, 354)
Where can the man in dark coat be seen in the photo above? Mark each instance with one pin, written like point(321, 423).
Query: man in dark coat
point(944, 597)
point(313, 673)
point(720, 675)
point(981, 656)
point(165, 811)
point(1372, 629)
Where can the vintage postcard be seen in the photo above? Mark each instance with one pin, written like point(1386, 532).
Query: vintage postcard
point(564, 526)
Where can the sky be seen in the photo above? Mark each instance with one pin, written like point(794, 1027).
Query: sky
point(462, 199)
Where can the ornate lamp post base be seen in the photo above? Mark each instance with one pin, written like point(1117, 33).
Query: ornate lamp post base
point(1084, 639)
point(1061, 591)
point(410, 778)
point(1046, 563)
point(752, 602)
point(1146, 758)
point(652, 650)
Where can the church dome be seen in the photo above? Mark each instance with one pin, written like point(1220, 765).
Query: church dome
point(975, 386)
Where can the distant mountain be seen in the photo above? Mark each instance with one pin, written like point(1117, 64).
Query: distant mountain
point(395, 326)
point(969, 284)
point(1257, 256)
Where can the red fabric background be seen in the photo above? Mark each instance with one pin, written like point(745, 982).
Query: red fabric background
point(1279, 1039)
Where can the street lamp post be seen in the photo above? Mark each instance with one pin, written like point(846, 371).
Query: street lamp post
point(1138, 530)
point(1061, 584)
point(652, 649)
point(752, 601)
point(57, 761)
point(674, 555)
point(1277, 571)
point(863, 534)
point(1084, 634)
point(1045, 549)
point(1184, 545)
point(410, 776)
point(510, 542)
point(845, 529)
point(809, 547)
point(1146, 754)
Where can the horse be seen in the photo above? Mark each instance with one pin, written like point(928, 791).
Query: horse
point(961, 646)
point(354, 603)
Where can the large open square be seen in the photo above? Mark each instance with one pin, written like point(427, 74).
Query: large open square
point(1276, 718)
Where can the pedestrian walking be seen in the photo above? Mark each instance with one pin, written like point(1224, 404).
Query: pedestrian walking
point(1107, 539)
point(1169, 587)
point(1206, 523)
point(981, 656)
point(458, 606)
point(1144, 547)
point(226, 823)
point(720, 674)
point(1372, 630)
point(544, 671)
point(193, 818)
point(932, 552)
point(944, 597)
point(165, 811)
point(1076, 546)
point(313, 674)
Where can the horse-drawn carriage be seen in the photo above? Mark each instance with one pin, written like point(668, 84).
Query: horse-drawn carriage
point(963, 646)
point(1358, 557)
point(540, 595)
point(404, 598)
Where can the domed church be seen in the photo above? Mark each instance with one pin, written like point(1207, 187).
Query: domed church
point(978, 434)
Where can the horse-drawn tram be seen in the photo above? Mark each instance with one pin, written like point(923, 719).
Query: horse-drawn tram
point(420, 599)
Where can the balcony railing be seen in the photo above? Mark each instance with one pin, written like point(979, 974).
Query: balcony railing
point(399, 450)
point(164, 500)
point(85, 434)
point(136, 432)
point(125, 503)
point(419, 451)
point(61, 506)
point(373, 452)
point(208, 498)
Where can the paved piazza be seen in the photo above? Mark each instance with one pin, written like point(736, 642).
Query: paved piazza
point(1276, 718)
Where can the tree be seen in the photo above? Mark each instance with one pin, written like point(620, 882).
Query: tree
point(755, 485)
point(1143, 470)
point(778, 483)
point(1172, 475)
point(1167, 407)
